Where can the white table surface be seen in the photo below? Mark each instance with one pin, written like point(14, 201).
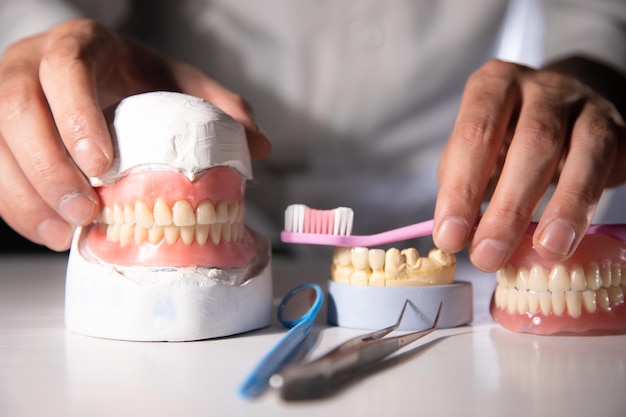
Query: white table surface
point(477, 370)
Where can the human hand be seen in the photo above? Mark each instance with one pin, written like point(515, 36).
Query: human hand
point(517, 130)
point(53, 87)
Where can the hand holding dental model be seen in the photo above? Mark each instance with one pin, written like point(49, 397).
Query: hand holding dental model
point(517, 126)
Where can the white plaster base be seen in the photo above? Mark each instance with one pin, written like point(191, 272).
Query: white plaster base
point(372, 308)
point(101, 301)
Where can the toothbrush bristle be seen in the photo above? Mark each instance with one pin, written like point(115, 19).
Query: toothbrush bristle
point(300, 218)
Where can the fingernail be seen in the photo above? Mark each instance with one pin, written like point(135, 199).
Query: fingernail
point(55, 233)
point(489, 255)
point(452, 234)
point(77, 208)
point(90, 157)
point(558, 237)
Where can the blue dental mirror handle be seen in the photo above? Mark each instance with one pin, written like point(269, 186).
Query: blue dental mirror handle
point(309, 297)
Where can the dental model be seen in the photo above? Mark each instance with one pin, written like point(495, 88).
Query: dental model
point(392, 268)
point(169, 257)
point(369, 286)
point(583, 294)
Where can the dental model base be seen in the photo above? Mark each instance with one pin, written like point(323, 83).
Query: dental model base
point(169, 258)
point(333, 227)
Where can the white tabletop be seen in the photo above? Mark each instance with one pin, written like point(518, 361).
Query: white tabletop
point(477, 370)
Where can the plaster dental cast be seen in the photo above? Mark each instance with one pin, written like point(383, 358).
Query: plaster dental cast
point(169, 257)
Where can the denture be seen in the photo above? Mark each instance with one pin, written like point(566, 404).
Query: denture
point(169, 256)
point(583, 294)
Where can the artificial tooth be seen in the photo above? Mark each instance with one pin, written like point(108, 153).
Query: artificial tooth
point(171, 234)
point(559, 279)
point(221, 212)
point(205, 213)
point(589, 301)
point(162, 213)
point(522, 301)
point(360, 258)
point(113, 233)
point(377, 259)
point(594, 279)
point(616, 296)
point(143, 215)
point(342, 265)
point(216, 233)
point(118, 214)
point(573, 300)
point(412, 259)
point(129, 214)
point(605, 273)
point(141, 234)
point(545, 302)
point(602, 299)
point(521, 279)
point(503, 274)
point(241, 214)
point(579, 282)
point(155, 234)
point(538, 279)
point(558, 302)
point(360, 261)
point(127, 233)
point(202, 233)
point(182, 213)
point(393, 263)
point(501, 296)
point(227, 233)
point(441, 257)
point(107, 215)
point(533, 302)
point(616, 275)
point(187, 234)
point(233, 212)
point(511, 305)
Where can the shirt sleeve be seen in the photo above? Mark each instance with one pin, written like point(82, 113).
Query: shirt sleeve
point(596, 29)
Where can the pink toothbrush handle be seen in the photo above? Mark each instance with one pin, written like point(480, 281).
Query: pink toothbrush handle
point(396, 235)
point(617, 231)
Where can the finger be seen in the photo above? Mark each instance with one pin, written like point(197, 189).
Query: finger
point(24, 210)
point(592, 154)
point(471, 154)
point(530, 164)
point(194, 81)
point(72, 61)
point(31, 136)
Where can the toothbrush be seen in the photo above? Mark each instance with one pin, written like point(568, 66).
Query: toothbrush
point(333, 227)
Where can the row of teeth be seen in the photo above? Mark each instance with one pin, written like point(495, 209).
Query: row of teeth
point(539, 279)
point(561, 291)
point(200, 233)
point(365, 266)
point(221, 222)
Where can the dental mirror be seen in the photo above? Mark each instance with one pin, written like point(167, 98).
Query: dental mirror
point(297, 312)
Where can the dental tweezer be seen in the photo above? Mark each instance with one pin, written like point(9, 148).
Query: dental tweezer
point(318, 377)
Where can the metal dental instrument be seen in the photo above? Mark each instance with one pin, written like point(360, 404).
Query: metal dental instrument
point(317, 378)
point(297, 312)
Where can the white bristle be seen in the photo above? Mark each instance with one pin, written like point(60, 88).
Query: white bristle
point(319, 220)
